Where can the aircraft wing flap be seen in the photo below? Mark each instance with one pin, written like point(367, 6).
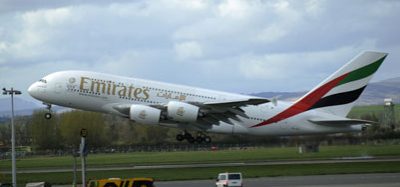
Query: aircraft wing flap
point(340, 122)
point(227, 110)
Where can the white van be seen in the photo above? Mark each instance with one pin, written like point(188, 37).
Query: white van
point(229, 179)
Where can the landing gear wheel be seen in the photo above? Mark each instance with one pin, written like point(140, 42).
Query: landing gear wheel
point(180, 137)
point(191, 139)
point(187, 135)
point(200, 139)
point(207, 139)
point(47, 115)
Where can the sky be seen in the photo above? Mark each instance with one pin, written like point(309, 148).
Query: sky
point(241, 46)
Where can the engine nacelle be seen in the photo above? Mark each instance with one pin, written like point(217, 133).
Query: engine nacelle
point(145, 114)
point(182, 112)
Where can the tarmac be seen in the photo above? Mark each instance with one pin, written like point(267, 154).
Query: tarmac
point(347, 180)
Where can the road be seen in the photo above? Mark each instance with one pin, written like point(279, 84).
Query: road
point(348, 180)
point(285, 162)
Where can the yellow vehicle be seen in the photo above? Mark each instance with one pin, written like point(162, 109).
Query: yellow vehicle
point(117, 182)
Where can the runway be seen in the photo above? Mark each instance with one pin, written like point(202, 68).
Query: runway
point(348, 180)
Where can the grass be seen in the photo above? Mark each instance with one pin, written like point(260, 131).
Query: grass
point(210, 173)
point(249, 155)
point(359, 111)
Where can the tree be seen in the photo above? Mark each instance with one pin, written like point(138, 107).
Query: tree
point(23, 132)
point(45, 132)
point(72, 122)
point(5, 134)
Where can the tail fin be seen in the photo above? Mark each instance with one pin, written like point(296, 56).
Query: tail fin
point(338, 93)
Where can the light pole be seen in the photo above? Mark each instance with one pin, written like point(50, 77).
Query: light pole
point(83, 155)
point(12, 92)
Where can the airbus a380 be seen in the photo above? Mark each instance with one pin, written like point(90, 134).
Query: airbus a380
point(322, 110)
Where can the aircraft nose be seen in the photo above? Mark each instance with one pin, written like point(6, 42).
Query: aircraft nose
point(33, 90)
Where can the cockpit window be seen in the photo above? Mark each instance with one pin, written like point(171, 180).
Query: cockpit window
point(42, 80)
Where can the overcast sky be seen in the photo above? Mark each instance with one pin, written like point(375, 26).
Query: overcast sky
point(236, 46)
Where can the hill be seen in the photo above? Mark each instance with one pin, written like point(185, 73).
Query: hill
point(373, 94)
point(376, 92)
point(21, 106)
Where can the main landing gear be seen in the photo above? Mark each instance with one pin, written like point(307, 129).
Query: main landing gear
point(200, 138)
point(47, 115)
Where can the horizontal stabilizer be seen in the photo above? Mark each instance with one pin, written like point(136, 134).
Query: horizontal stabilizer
point(341, 122)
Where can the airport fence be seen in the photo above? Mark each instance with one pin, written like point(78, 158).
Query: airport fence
point(176, 147)
point(172, 147)
point(138, 148)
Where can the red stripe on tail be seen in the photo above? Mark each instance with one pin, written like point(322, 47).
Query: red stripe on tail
point(305, 103)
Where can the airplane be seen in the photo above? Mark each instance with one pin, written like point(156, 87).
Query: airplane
point(322, 110)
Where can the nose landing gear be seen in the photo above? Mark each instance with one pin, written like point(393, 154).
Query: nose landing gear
point(200, 138)
point(48, 114)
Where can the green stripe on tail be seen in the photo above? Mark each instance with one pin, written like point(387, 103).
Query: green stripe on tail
point(362, 72)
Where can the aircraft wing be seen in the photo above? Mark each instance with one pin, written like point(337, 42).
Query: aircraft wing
point(226, 110)
point(214, 111)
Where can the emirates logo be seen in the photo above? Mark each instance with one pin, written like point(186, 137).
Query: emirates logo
point(180, 111)
point(142, 114)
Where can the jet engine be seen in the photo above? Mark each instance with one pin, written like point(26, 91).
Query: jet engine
point(144, 114)
point(182, 112)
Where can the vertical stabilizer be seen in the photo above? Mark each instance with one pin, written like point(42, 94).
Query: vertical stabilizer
point(338, 93)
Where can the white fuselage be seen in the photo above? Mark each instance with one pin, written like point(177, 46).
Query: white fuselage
point(100, 92)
